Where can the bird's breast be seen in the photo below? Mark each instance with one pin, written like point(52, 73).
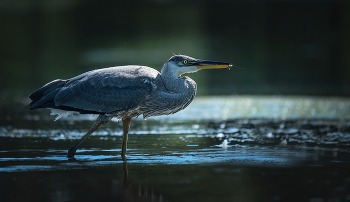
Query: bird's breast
point(162, 101)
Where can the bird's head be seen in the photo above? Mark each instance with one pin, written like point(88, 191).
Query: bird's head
point(180, 64)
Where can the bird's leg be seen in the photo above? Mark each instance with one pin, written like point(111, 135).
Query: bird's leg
point(126, 127)
point(98, 123)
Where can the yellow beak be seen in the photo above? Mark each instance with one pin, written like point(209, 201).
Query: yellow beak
point(206, 64)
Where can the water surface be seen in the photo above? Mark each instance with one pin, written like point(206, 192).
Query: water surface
point(243, 148)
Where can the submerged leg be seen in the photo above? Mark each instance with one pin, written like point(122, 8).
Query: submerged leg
point(98, 123)
point(126, 127)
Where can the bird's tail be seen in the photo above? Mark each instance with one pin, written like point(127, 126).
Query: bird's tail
point(45, 94)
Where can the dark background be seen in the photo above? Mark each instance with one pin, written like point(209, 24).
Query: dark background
point(277, 46)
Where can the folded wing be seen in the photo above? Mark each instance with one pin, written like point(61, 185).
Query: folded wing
point(103, 91)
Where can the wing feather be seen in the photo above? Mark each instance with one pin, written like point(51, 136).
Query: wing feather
point(107, 90)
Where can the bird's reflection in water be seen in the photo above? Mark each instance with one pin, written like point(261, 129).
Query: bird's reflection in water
point(130, 193)
point(105, 183)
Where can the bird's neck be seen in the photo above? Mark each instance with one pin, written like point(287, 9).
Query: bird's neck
point(174, 83)
point(177, 95)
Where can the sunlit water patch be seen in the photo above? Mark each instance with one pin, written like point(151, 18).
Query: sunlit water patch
point(213, 107)
point(94, 158)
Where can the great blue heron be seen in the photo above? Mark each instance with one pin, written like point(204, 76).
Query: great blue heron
point(124, 92)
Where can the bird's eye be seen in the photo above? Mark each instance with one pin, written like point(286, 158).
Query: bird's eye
point(185, 62)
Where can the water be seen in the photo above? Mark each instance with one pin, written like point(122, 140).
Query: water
point(233, 148)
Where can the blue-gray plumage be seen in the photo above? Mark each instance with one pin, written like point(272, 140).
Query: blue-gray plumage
point(124, 92)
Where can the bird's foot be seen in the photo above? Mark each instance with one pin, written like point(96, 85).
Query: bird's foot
point(72, 159)
point(124, 157)
point(70, 154)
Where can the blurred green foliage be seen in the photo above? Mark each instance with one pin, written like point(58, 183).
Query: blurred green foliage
point(278, 47)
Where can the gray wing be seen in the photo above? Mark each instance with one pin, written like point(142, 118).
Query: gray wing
point(108, 90)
